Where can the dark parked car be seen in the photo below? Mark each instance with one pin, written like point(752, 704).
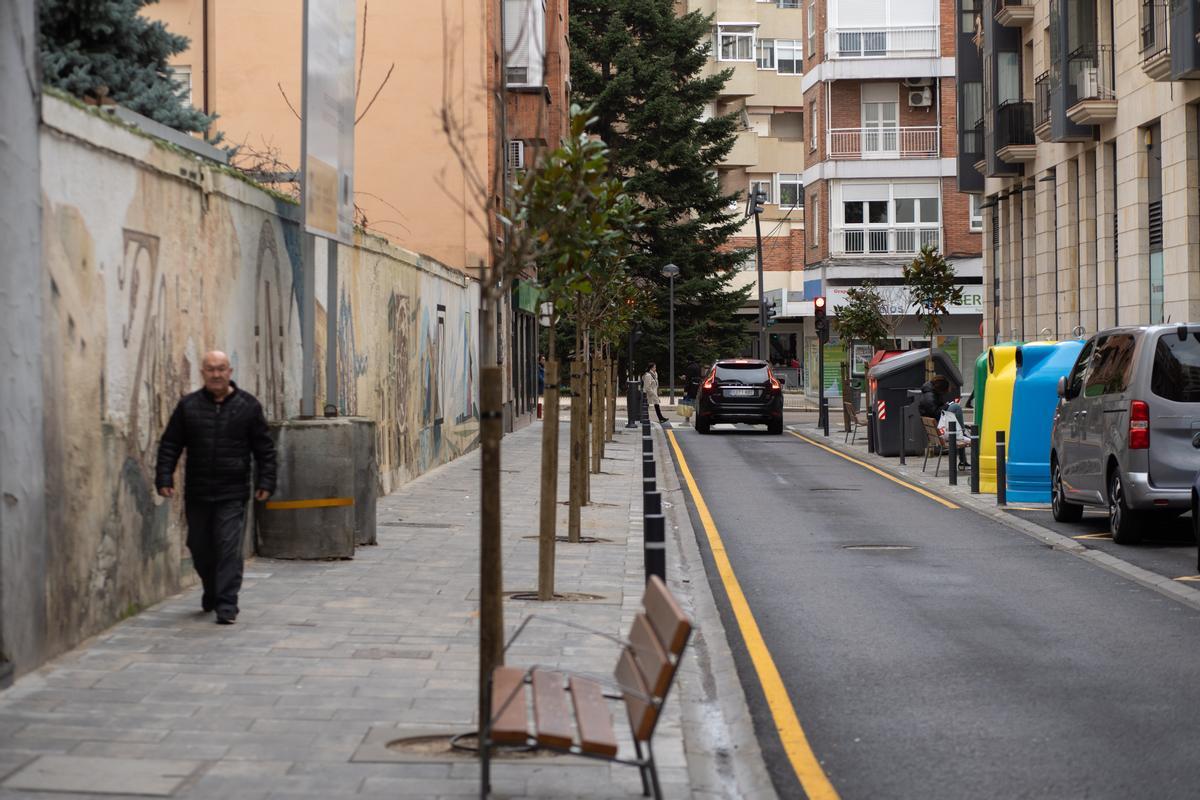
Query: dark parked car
point(1126, 432)
point(740, 390)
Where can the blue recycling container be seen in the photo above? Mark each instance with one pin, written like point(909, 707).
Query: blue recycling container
point(1035, 397)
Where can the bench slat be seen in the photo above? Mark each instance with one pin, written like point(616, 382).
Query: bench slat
point(509, 722)
point(550, 713)
point(641, 713)
point(592, 718)
point(650, 655)
point(667, 618)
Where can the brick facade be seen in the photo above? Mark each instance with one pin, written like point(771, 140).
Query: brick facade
point(780, 253)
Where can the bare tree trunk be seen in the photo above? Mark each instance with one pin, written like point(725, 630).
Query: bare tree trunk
point(585, 474)
point(612, 397)
point(595, 417)
point(491, 610)
point(575, 494)
point(548, 510)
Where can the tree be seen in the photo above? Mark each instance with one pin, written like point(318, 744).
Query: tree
point(639, 65)
point(862, 317)
point(100, 49)
point(933, 287)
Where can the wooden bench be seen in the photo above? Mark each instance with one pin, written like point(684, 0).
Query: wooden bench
point(550, 709)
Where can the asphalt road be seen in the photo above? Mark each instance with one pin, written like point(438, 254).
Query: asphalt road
point(975, 663)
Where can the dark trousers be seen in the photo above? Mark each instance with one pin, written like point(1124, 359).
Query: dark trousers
point(215, 531)
point(658, 411)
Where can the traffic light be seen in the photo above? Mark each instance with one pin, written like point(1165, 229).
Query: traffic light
point(821, 321)
point(760, 197)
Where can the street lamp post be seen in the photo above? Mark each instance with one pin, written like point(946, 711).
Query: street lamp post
point(670, 271)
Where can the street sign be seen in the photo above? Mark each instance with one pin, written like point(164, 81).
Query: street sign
point(327, 128)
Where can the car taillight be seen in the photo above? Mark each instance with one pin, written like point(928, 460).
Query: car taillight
point(707, 386)
point(1139, 425)
point(775, 385)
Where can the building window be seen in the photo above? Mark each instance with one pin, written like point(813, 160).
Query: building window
point(812, 125)
point(791, 56)
point(813, 232)
point(763, 186)
point(791, 190)
point(766, 54)
point(1009, 75)
point(749, 263)
point(975, 212)
point(735, 43)
point(914, 210)
point(524, 42)
point(182, 75)
point(812, 28)
point(969, 10)
point(788, 3)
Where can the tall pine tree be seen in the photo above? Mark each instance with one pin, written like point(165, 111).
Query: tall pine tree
point(94, 48)
point(639, 66)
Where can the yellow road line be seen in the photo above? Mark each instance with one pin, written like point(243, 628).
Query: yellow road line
point(1093, 536)
point(877, 471)
point(324, 502)
point(804, 762)
point(1189, 578)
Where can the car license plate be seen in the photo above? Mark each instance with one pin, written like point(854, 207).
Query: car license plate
point(739, 393)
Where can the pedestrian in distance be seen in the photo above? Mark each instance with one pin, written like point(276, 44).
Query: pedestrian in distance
point(541, 375)
point(691, 380)
point(650, 390)
point(221, 427)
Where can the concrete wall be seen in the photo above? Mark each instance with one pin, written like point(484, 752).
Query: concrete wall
point(149, 259)
point(22, 492)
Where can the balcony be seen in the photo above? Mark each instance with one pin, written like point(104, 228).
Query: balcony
point(745, 150)
point(914, 41)
point(1155, 42)
point(1014, 132)
point(1090, 72)
point(1014, 13)
point(906, 240)
point(1041, 106)
point(871, 143)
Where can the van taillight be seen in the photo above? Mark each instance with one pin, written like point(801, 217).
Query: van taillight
point(1139, 425)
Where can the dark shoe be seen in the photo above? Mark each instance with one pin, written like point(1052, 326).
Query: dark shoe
point(206, 605)
point(226, 619)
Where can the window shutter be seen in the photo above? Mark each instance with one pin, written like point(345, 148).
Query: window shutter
point(525, 41)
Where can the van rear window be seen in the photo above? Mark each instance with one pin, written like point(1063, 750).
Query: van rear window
point(746, 373)
point(1176, 373)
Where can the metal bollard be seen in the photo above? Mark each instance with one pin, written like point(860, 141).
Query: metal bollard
point(651, 503)
point(975, 459)
point(1001, 478)
point(647, 465)
point(825, 415)
point(870, 431)
point(952, 438)
point(647, 444)
point(648, 486)
point(654, 545)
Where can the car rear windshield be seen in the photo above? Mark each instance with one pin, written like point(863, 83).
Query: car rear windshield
point(745, 373)
point(1176, 374)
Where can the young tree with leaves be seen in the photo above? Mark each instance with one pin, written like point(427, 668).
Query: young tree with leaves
point(862, 317)
point(97, 49)
point(933, 287)
point(640, 64)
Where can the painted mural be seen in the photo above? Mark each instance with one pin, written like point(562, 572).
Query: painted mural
point(145, 269)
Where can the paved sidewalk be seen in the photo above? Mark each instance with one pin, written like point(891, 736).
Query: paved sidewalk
point(331, 661)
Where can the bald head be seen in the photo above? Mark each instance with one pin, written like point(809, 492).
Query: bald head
point(217, 373)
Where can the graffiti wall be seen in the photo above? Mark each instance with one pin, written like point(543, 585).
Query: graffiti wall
point(151, 258)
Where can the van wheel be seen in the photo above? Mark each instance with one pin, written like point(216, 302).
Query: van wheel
point(1063, 510)
point(701, 427)
point(1122, 523)
point(775, 427)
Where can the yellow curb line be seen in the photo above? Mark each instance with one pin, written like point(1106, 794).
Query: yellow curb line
point(804, 762)
point(877, 471)
point(325, 502)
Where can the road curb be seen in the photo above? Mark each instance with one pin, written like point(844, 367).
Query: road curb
point(1144, 577)
point(726, 763)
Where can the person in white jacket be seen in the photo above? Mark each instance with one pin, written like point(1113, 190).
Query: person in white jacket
point(650, 390)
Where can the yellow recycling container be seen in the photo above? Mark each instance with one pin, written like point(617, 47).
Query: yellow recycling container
point(997, 410)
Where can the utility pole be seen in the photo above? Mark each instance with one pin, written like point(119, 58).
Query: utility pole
point(757, 199)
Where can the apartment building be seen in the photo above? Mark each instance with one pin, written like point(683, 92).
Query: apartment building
point(763, 44)
point(1086, 160)
point(880, 98)
point(421, 62)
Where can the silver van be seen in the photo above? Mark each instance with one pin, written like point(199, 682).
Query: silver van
point(1126, 432)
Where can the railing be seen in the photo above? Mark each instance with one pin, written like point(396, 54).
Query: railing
point(1041, 100)
point(1014, 123)
point(878, 240)
point(1155, 39)
point(884, 142)
point(1090, 72)
point(882, 42)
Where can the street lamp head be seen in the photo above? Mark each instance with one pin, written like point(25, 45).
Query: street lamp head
point(670, 271)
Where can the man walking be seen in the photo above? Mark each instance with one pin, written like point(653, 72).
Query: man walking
point(220, 426)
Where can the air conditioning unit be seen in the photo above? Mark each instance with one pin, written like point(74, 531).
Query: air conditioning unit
point(920, 98)
point(516, 155)
point(917, 83)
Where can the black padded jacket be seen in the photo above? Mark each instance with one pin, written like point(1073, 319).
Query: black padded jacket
point(220, 439)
